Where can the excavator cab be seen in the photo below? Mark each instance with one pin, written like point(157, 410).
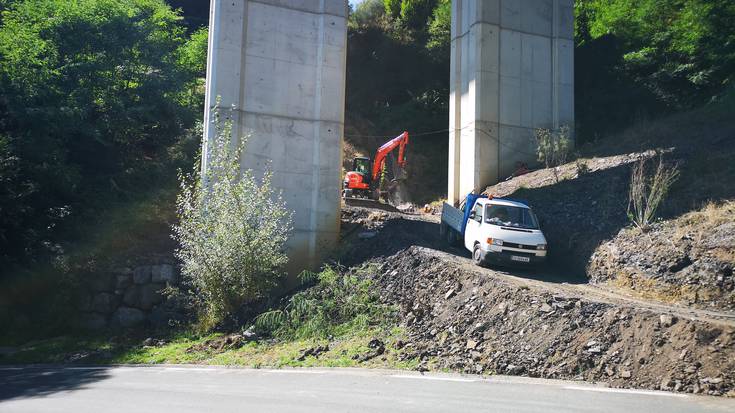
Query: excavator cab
point(361, 165)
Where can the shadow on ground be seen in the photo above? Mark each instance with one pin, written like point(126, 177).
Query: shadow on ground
point(28, 382)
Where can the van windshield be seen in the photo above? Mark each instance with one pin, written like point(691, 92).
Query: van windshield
point(510, 216)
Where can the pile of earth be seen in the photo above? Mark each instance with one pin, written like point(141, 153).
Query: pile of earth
point(692, 262)
point(463, 318)
point(368, 233)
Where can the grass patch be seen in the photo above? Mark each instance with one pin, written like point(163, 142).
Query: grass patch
point(340, 311)
point(343, 352)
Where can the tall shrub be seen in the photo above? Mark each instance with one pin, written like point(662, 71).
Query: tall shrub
point(231, 232)
point(554, 148)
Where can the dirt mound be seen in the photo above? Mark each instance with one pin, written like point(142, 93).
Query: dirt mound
point(692, 262)
point(477, 321)
point(369, 233)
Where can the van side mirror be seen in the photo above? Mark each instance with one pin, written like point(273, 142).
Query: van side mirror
point(472, 214)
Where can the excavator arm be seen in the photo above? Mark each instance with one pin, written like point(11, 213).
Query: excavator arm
point(399, 142)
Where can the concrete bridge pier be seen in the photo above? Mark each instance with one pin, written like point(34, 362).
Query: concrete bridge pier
point(280, 64)
point(512, 70)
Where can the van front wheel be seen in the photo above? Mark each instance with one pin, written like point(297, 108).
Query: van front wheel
point(477, 256)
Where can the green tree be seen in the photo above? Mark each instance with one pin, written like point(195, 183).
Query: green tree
point(440, 29)
point(683, 51)
point(93, 95)
point(368, 12)
point(416, 13)
point(194, 52)
point(392, 7)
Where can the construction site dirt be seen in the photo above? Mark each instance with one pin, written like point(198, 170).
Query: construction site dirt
point(543, 322)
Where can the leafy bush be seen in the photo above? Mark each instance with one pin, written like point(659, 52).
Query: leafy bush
point(554, 147)
point(337, 304)
point(232, 231)
point(648, 190)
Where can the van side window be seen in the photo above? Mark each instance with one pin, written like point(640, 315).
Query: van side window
point(478, 212)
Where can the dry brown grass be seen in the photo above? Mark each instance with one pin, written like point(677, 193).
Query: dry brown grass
point(697, 224)
point(649, 289)
point(711, 216)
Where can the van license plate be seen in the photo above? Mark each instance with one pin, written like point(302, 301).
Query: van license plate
point(521, 259)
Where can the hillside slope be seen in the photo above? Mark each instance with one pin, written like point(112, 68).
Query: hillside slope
point(689, 255)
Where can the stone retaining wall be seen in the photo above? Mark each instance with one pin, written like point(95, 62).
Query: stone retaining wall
point(129, 297)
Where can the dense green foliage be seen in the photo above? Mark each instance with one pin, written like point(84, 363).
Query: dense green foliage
point(94, 93)
point(98, 105)
point(194, 52)
point(231, 231)
point(643, 58)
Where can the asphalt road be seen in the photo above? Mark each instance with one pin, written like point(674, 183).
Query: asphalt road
point(213, 389)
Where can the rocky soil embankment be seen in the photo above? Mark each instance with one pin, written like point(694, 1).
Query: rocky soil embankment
point(477, 321)
point(690, 262)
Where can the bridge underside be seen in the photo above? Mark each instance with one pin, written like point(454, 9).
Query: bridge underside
point(279, 65)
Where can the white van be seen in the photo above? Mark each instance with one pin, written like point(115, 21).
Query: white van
point(496, 231)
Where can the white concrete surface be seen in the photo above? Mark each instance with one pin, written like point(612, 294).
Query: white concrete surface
point(512, 70)
point(280, 66)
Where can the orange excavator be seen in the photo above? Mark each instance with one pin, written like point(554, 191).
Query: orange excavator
point(363, 181)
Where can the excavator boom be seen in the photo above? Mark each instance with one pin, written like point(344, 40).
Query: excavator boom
point(400, 142)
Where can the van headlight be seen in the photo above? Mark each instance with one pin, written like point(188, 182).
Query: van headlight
point(495, 241)
point(541, 247)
